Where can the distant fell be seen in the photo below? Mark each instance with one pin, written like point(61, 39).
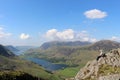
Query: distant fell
point(5, 52)
point(24, 48)
point(73, 54)
point(104, 45)
point(58, 43)
point(13, 49)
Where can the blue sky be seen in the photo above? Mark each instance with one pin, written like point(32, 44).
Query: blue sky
point(32, 22)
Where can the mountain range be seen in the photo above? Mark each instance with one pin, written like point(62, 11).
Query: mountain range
point(5, 52)
point(17, 50)
point(12, 48)
point(13, 67)
point(48, 45)
point(102, 44)
point(66, 51)
point(73, 56)
point(105, 45)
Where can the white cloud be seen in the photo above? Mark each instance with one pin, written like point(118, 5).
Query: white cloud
point(95, 14)
point(93, 40)
point(68, 34)
point(1, 28)
point(114, 38)
point(24, 36)
point(3, 33)
point(53, 34)
point(84, 36)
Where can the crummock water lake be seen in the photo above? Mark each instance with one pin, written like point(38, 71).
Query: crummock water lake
point(47, 65)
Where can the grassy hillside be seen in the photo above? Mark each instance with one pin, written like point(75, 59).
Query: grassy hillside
point(64, 54)
point(17, 75)
point(17, 64)
point(74, 56)
point(5, 52)
point(48, 45)
point(10, 63)
point(105, 45)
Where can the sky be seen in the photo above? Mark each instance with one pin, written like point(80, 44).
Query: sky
point(33, 22)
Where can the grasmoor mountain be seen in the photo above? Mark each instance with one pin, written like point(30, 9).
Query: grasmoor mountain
point(58, 43)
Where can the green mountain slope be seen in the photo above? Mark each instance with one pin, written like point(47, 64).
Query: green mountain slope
point(74, 56)
point(63, 54)
point(51, 44)
point(105, 45)
point(11, 48)
point(5, 52)
point(9, 62)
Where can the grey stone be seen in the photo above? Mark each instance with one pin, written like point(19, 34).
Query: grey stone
point(92, 67)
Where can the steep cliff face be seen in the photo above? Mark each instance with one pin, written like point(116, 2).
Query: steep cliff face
point(106, 68)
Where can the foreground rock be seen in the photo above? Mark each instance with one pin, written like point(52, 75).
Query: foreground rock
point(110, 77)
point(106, 68)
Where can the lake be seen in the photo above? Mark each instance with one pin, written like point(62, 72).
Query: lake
point(47, 65)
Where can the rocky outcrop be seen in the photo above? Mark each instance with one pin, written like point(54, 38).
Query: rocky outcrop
point(110, 77)
point(106, 68)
